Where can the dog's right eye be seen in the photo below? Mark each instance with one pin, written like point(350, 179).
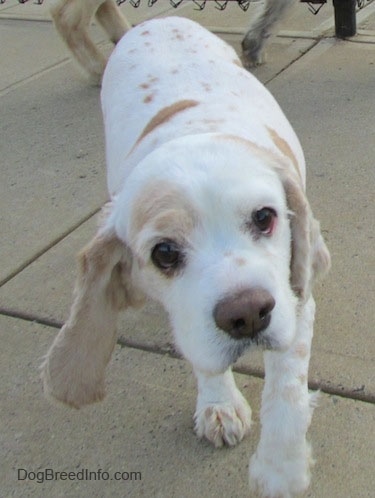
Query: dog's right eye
point(264, 219)
point(167, 255)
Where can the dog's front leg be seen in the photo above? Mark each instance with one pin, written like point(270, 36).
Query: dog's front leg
point(280, 468)
point(223, 415)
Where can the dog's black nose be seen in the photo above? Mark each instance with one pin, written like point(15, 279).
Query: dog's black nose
point(245, 314)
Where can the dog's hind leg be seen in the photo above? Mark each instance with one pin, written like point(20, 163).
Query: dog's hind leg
point(259, 31)
point(72, 19)
point(112, 21)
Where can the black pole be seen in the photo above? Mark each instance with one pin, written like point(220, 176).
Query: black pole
point(345, 21)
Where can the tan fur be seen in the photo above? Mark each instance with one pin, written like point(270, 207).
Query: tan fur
point(268, 155)
point(163, 116)
point(112, 21)
point(72, 19)
point(321, 259)
point(284, 148)
point(153, 207)
point(175, 222)
point(73, 370)
point(310, 255)
point(245, 142)
point(300, 227)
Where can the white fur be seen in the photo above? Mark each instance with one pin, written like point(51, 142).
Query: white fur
point(281, 464)
point(195, 146)
point(222, 414)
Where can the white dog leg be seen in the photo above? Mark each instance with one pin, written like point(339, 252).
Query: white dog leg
point(223, 415)
point(280, 468)
point(259, 31)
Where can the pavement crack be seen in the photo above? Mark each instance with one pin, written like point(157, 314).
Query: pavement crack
point(30, 317)
point(168, 349)
point(49, 246)
point(287, 66)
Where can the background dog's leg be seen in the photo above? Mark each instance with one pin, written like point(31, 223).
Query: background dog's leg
point(72, 20)
point(259, 31)
point(112, 21)
point(281, 464)
point(223, 415)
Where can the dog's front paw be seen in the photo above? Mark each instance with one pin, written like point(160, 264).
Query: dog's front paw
point(223, 423)
point(280, 477)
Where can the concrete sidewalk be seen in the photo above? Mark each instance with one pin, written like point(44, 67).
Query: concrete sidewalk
point(53, 184)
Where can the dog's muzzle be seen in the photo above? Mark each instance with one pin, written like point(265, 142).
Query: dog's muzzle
point(245, 314)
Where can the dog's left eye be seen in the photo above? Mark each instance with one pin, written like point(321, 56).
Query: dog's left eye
point(167, 255)
point(264, 219)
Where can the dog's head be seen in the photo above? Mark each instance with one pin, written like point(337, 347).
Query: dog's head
point(222, 236)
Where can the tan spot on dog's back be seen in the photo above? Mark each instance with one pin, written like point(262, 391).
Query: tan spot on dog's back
point(178, 35)
point(240, 261)
point(163, 116)
point(147, 84)
point(206, 86)
point(148, 98)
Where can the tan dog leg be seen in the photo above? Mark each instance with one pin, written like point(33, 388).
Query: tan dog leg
point(113, 22)
point(72, 20)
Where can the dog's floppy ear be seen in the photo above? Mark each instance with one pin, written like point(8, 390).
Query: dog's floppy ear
point(74, 368)
point(309, 254)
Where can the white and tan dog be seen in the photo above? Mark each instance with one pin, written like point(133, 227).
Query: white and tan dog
point(208, 215)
